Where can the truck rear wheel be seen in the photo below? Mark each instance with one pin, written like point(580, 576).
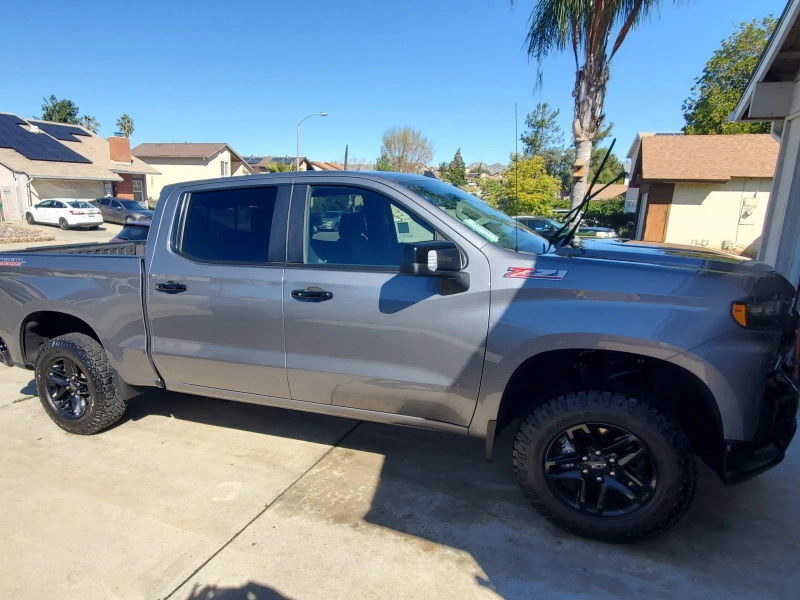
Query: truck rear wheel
point(605, 465)
point(77, 385)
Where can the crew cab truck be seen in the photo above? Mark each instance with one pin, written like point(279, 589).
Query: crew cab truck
point(619, 361)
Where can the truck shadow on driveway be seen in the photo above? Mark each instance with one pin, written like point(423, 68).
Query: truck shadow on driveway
point(435, 490)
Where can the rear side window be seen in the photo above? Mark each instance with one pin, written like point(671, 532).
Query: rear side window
point(229, 225)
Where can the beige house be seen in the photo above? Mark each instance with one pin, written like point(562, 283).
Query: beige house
point(189, 161)
point(41, 160)
point(701, 190)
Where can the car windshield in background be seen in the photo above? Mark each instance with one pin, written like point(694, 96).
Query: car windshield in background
point(132, 205)
point(79, 204)
point(492, 225)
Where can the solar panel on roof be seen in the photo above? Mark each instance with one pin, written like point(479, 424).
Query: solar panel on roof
point(64, 132)
point(253, 160)
point(35, 146)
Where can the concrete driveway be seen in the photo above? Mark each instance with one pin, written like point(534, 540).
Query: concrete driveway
point(191, 498)
point(102, 234)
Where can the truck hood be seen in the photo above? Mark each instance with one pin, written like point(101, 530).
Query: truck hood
point(694, 258)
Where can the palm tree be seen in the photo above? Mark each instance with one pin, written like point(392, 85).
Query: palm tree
point(125, 125)
point(585, 26)
point(89, 123)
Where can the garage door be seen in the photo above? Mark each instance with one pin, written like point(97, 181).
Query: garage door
point(58, 188)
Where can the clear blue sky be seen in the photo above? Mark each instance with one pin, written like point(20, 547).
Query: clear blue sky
point(243, 73)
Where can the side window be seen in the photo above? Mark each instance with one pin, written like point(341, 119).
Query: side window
point(55, 204)
point(229, 225)
point(102, 202)
point(115, 204)
point(354, 226)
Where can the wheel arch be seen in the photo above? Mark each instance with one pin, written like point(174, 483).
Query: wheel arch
point(679, 391)
point(43, 325)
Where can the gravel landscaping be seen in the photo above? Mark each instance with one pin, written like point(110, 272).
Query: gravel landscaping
point(13, 232)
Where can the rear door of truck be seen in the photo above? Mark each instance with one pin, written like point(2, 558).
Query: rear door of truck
point(214, 288)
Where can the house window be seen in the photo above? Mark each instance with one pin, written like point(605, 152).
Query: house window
point(138, 190)
point(224, 168)
point(108, 189)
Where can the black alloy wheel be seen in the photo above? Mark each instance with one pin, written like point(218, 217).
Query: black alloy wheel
point(605, 465)
point(600, 469)
point(68, 389)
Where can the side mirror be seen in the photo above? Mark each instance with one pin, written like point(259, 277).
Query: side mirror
point(438, 259)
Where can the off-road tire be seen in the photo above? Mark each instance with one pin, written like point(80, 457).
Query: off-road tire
point(29, 218)
point(62, 222)
point(105, 406)
point(665, 440)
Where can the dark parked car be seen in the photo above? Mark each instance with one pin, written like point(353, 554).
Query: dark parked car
point(135, 231)
point(544, 226)
point(122, 210)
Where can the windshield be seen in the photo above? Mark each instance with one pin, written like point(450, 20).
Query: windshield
point(132, 205)
point(492, 225)
point(79, 204)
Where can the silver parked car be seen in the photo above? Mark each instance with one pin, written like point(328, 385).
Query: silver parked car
point(122, 210)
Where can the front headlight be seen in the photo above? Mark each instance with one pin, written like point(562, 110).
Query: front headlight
point(775, 313)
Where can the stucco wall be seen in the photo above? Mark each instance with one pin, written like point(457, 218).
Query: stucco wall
point(179, 170)
point(712, 213)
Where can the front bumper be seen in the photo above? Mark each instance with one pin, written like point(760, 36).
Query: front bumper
point(778, 423)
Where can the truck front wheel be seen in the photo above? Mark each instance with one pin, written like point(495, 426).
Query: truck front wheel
point(605, 465)
point(77, 385)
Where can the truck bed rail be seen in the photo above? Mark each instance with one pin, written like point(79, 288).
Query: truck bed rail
point(104, 249)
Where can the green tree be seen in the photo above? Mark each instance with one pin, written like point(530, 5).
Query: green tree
point(457, 170)
point(405, 149)
point(383, 163)
point(528, 188)
point(726, 75)
point(492, 191)
point(280, 167)
point(585, 27)
point(543, 132)
point(89, 123)
point(125, 125)
point(60, 111)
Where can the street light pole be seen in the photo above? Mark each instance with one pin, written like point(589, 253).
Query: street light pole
point(297, 157)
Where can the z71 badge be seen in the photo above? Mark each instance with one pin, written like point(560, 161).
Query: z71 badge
point(528, 273)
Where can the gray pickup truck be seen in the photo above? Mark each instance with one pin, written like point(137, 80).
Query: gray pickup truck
point(620, 360)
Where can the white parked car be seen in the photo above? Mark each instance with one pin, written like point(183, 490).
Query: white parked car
point(66, 213)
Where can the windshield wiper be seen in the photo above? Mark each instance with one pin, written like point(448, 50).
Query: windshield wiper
point(576, 212)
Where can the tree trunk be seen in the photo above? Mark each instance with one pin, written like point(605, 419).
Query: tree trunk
point(589, 93)
point(583, 153)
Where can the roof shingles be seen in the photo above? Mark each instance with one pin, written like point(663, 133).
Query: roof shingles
point(714, 158)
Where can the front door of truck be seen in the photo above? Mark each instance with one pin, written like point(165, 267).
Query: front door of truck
point(360, 334)
point(214, 290)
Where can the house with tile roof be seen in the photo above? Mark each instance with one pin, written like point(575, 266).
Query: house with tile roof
point(189, 161)
point(42, 159)
point(702, 190)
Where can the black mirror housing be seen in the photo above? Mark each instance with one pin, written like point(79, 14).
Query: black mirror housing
point(439, 259)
